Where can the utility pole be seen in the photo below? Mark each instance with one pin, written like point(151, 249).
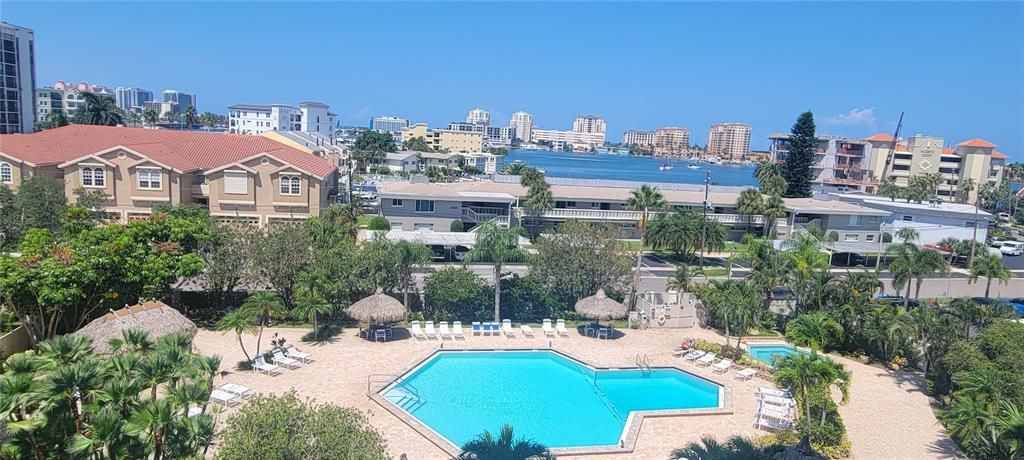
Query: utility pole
point(703, 222)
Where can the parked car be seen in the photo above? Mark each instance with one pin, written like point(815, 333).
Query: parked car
point(459, 253)
point(1005, 217)
point(1012, 248)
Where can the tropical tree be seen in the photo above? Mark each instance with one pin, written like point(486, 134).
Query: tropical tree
point(189, 117)
point(682, 279)
point(774, 209)
point(497, 246)
point(816, 330)
point(55, 119)
point(644, 199)
point(908, 234)
point(411, 256)
point(262, 307)
point(503, 447)
point(990, 267)
point(514, 169)
point(889, 189)
point(810, 376)
point(538, 196)
point(965, 189)
point(797, 167)
point(712, 237)
point(910, 262)
point(678, 231)
point(98, 109)
point(888, 328)
point(150, 116)
point(734, 448)
point(750, 203)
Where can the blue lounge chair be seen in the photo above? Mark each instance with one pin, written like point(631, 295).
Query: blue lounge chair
point(476, 328)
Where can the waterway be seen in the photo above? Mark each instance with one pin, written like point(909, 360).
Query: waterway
point(632, 168)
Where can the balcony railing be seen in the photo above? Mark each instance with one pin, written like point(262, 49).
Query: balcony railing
point(629, 216)
point(201, 189)
point(481, 214)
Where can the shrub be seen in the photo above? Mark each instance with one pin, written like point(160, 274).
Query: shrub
point(525, 298)
point(266, 427)
point(378, 223)
point(456, 293)
point(710, 347)
point(383, 170)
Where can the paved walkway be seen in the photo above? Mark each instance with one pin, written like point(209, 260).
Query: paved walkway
point(888, 417)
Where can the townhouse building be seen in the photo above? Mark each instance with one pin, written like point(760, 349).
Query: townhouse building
point(249, 179)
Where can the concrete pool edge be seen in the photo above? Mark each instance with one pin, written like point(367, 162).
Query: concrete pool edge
point(627, 439)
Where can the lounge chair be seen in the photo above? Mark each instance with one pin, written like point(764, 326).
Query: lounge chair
point(457, 332)
point(476, 328)
point(294, 353)
point(722, 366)
point(485, 329)
point(527, 330)
point(491, 329)
point(224, 398)
point(779, 401)
point(414, 328)
point(281, 360)
point(429, 330)
point(694, 354)
point(560, 327)
point(242, 391)
point(506, 327)
point(443, 330)
point(261, 365)
point(746, 374)
point(774, 420)
point(765, 391)
point(548, 330)
point(706, 360)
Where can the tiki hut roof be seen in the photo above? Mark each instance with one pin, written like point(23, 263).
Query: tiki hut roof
point(156, 317)
point(600, 307)
point(377, 308)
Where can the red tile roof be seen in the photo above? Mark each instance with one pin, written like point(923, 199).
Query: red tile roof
point(182, 150)
point(998, 155)
point(948, 151)
point(880, 137)
point(977, 142)
point(901, 148)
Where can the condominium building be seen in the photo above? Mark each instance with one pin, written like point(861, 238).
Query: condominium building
point(310, 117)
point(388, 124)
point(493, 135)
point(579, 141)
point(65, 97)
point(129, 98)
point(445, 139)
point(478, 116)
point(638, 138)
point(18, 82)
point(248, 179)
point(522, 123)
point(671, 141)
point(180, 99)
point(591, 124)
point(729, 140)
point(840, 163)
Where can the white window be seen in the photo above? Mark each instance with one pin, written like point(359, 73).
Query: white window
point(869, 238)
point(397, 203)
point(6, 173)
point(94, 177)
point(851, 237)
point(149, 178)
point(236, 183)
point(908, 218)
point(424, 205)
point(854, 221)
point(290, 185)
point(423, 227)
point(396, 226)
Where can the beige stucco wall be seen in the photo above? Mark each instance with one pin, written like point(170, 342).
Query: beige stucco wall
point(264, 199)
point(459, 142)
point(19, 173)
point(121, 184)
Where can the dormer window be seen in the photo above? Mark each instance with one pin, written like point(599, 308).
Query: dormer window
point(149, 179)
point(94, 177)
point(290, 185)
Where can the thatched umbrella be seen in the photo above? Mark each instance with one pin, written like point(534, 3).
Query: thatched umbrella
point(599, 307)
point(155, 317)
point(377, 308)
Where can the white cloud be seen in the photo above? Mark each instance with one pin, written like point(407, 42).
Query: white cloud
point(856, 116)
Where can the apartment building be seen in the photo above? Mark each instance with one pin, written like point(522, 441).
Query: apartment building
point(974, 160)
point(129, 98)
point(388, 124)
point(729, 140)
point(933, 221)
point(579, 141)
point(310, 117)
point(671, 141)
point(248, 179)
point(445, 140)
point(638, 138)
point(17, 79)
point(478, 116)
point(181, 99)
point(493, 135)
point(840, 163)
point(66, 98)
point(313, 144)
point(591, 124)
point(522, 125)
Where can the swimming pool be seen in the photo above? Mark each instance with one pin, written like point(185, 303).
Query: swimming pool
point(766, 353)
point(543, 394)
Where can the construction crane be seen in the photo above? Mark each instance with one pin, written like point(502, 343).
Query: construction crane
point(892, 149)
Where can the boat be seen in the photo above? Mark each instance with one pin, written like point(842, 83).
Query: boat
point(693, 167)
point(665, 167)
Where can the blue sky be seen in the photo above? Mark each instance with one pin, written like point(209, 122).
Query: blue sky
point(957, 69)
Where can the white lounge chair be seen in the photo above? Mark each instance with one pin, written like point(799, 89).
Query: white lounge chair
point(414, 329)
point(694, 355)
point(281, 360)
point(706, 360)
point(546, 327)
point(294, 353)
point(560, 327)
point(261, 365)
point(429, 330)
point(765, 391)
point(443, 330)
point(224, 398)
point(506, 327)
point(527, 330)
point(457, 332)
point(722, 366)
point(242, 391)
point(746, 374)
point(778, 401)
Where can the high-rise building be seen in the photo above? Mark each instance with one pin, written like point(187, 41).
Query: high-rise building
point(730, 140)
point(522, 124)
point(494, 135)
point(310, 117)
point(388, 124)
point(478, 116)
point(446, 139)
point(638, 138)
point(129, 98)
point(589, 124)
point(17, 79)
point(182, 100)
point(579, 141)
point(671, 140)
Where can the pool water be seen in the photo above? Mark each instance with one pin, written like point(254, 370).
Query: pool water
point(768, 353)
point(544, 395)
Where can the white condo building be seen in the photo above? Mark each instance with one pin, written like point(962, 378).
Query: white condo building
point(559, 139)
point(589, 124)
point(17, 79)
point(129, 98)
point(730, 140)
point(388, 124)
point(310, 117)
point(478, 116)
point(522, 124)
point(639, 138)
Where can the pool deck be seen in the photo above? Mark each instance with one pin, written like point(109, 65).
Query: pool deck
point(887, 418)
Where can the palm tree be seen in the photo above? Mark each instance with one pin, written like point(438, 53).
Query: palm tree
point(910, 262)
point(712, 238)
point(966, 188)
point(808, 374)
point(190, 117)
point(498, 246)
point(887, 327)
point(239, 322)
point(774, 209)
point(150, 117)
point(889, 189)
point(750, 203)
point(816, 330)
point(681, 279)
point(151, 422)
point(72, 384)
point(676, 231)
point(310, 307)
point(97, 109)
point(908, 235)
point(991, 267)
point(170, 117)
point(735, 448)
point(133, 117)
point(513, 169)
point(263, 306)
point(101, 436)
point(410, 257)
point(155, 370)
point(967, 419)
point(505, 447)
point(644, 199)
point(132, 341)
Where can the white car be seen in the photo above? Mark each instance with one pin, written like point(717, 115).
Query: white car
point(1011, 248)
